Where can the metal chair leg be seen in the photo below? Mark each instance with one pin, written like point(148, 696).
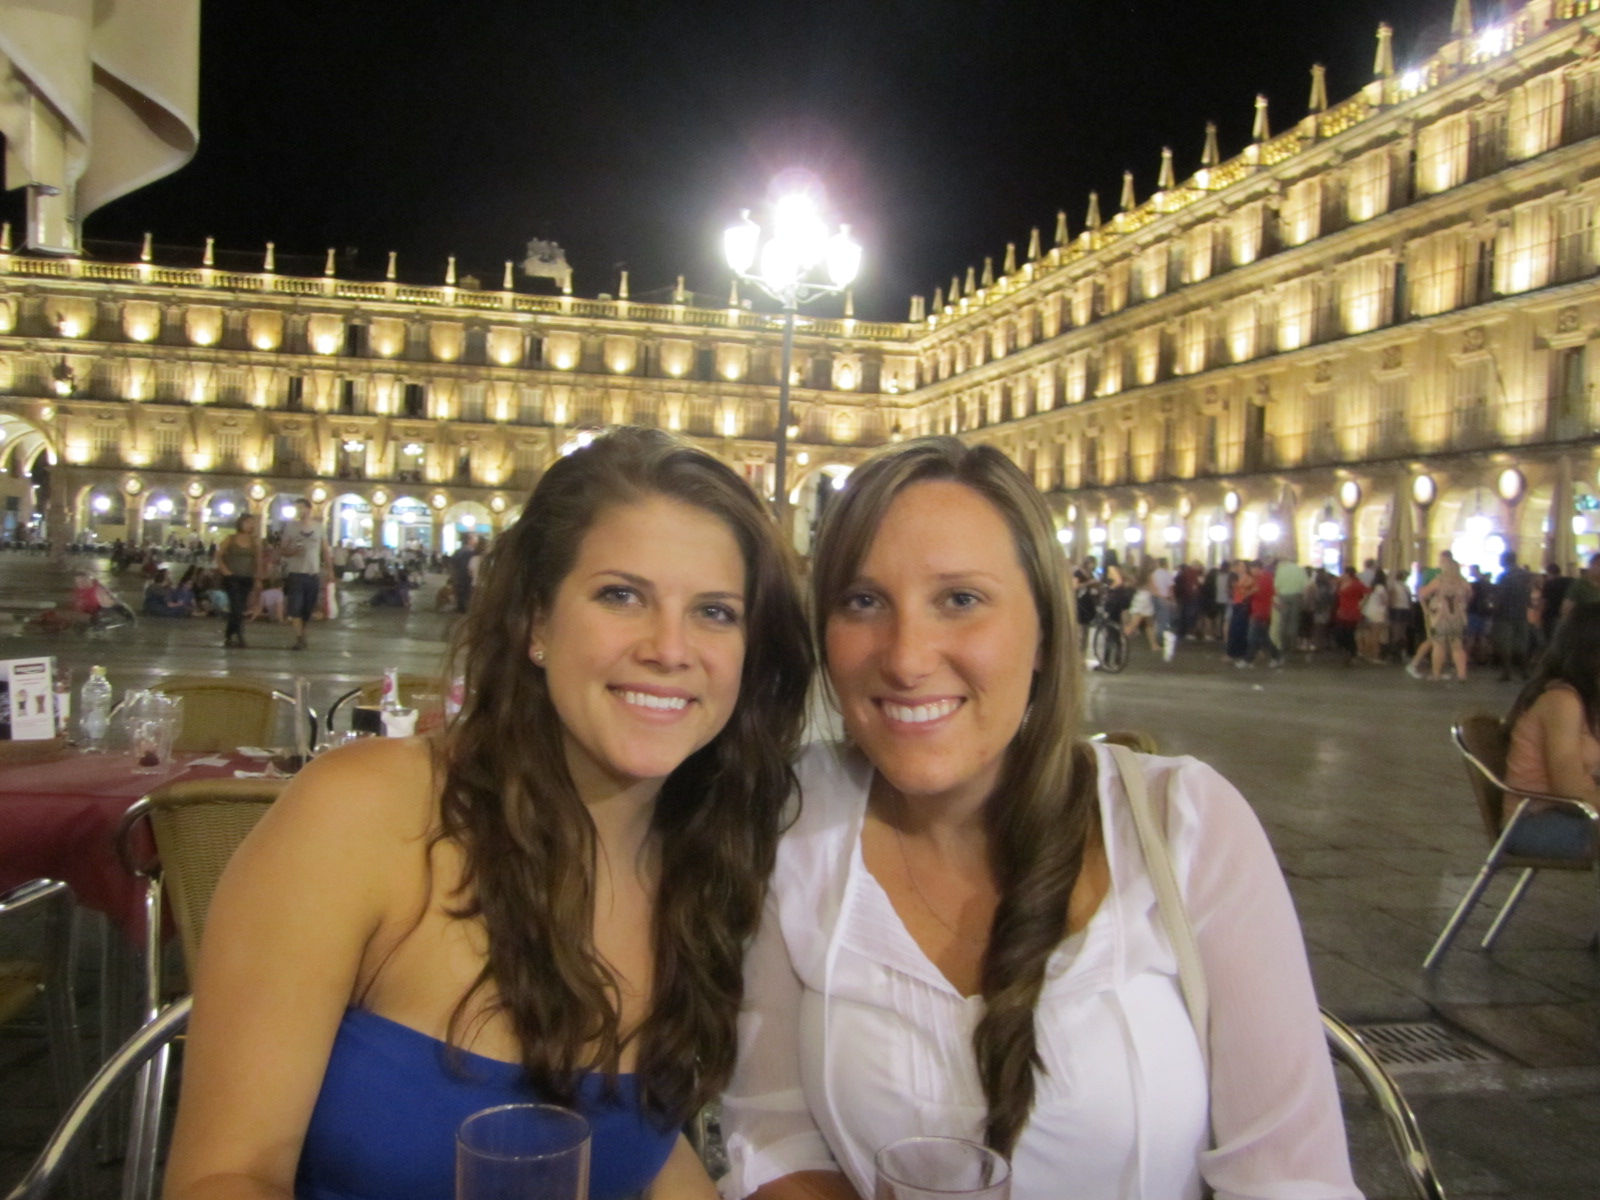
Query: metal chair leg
point(1518, 890)
point(149, 1092)
point(1459, 917)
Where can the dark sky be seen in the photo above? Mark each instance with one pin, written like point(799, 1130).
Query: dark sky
point(632, 132)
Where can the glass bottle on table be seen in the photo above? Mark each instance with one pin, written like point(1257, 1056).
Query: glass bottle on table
point(96, 705)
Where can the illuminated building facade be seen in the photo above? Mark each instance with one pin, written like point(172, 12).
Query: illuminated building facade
point(1365, 336)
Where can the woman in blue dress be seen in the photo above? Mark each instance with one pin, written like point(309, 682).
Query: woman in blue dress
point(551, 900)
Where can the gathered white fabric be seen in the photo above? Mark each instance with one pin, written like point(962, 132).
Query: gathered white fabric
point(852, 1038)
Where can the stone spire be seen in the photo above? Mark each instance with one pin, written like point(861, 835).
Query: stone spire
point(1033, 244)
point(389, 271)
point(919, 310)
point(988, 272)
point(1127, 203)
point(210, 257)
point(972, 282)
point(146, 249)
point(1092, 220)
point(1261, 130)
point(5, 237)
point(1210, 156)
point(679, 293)
point(269, 263)
point(328, 263)
point(622, 287)
point(508, 279)
point(849, 303)
point(733, 294)
point(1061, 227)
point(1168, 178)
point(1383, 65)
point(450, 272)
point(938, 299)
point(955, 289)
point(1010, 267)
point(1319, 88)
point(1461, 19)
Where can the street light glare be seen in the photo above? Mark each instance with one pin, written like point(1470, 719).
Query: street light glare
point(780, 263)
point(739, 243)
point(844, 258)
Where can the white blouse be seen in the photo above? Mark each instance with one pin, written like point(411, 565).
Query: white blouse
point(852, 1038)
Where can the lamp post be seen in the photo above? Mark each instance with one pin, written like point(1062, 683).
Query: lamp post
point(798, 246)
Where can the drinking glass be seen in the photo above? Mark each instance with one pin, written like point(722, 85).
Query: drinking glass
point(931, 1168)
point(523, 1152)
point(154, 728)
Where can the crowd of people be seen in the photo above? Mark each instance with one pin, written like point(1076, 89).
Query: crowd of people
point(1263, 609)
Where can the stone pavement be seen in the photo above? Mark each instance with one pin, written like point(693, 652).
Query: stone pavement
point(1353, 775)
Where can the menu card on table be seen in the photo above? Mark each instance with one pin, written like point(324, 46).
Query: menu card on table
point(27, 699)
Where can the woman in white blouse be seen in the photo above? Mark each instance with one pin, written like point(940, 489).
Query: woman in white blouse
point(962, 937)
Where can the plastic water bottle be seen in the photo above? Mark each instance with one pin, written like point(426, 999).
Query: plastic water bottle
point(96, 704)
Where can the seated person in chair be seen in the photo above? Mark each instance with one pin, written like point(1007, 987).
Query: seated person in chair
point(1554, 747)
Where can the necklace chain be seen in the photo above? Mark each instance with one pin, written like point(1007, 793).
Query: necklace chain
point(933, 912)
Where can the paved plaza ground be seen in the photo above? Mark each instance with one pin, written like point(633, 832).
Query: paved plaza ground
point(1353, 775)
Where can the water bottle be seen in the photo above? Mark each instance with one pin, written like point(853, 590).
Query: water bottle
point(96, 703)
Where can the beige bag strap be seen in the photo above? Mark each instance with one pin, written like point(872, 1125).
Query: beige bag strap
point(1191, 972)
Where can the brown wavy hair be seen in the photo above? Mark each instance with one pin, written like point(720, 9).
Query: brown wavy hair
point(527, 839)
point(1043, 809)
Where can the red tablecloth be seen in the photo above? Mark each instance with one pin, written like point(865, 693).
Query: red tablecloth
point(59, 819)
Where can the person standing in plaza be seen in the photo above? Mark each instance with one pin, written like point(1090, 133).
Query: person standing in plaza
point(1513, 594)
point(238, 561)
point(1446, 598)
point(461, 572)
point(1351, 594)
point(1288, 602)
point(1259, 602)
point(305, 557)
point(1162, 585)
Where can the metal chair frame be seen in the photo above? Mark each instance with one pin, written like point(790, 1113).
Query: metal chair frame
point(1401, 1123)
point(59, 909)
point(408, 684)
point(1482, 775)
point(179, 683)
point(153, 1039)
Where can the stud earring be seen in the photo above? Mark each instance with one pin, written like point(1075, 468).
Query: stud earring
point(538, 657)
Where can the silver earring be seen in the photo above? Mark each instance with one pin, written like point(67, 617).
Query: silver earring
point(538, 657)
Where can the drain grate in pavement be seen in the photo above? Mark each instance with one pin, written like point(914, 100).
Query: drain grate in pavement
point(1413, 1044)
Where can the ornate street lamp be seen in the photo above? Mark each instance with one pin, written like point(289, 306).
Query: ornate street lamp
point(784, 269)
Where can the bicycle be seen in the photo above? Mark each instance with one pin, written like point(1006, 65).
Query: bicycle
point(1108, 644)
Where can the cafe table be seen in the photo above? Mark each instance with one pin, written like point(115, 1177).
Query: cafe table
point(58, 820)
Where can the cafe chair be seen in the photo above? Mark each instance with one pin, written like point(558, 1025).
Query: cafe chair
point(1348, 1049)
point(224, 714)
point(1483, 740)
point(425, 693)
point(64, 1152)
point(196, 826)
point(47, 979)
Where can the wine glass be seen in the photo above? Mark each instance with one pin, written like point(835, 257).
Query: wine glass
point(523, 1152)
point(935, 1168)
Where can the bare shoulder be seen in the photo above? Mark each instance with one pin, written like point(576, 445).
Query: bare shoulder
point(1559, 703)
point(362, 798)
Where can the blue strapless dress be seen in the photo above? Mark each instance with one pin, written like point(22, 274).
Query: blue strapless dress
point(384, 1126)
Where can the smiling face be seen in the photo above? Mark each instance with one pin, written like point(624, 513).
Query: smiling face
point(933, 646)
point(644, 643)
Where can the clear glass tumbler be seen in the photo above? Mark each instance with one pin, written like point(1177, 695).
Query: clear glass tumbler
point(928, 1168)
point(523, 1152)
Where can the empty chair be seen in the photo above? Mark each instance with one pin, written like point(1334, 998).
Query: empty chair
point(47, 978)
point(223, 714)
point(425, 693)
point(1482, 740)
point(197, 826)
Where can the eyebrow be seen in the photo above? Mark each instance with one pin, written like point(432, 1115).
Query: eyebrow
point(941, 577)
point(639, 581)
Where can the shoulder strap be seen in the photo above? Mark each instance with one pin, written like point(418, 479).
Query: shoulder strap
point(1191, 972)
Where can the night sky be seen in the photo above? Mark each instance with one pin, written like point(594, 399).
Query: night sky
point(633, 132)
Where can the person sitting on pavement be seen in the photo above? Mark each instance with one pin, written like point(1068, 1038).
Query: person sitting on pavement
point(161, 599)
point(1555, 740)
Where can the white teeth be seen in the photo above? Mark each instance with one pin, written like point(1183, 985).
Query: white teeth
point(646, 700)
point(921, 713)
